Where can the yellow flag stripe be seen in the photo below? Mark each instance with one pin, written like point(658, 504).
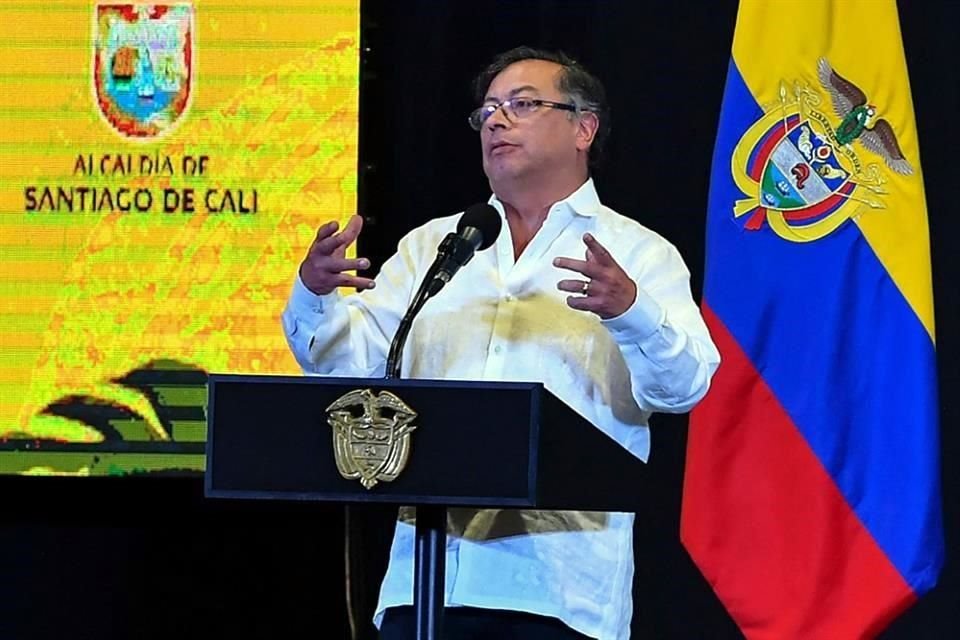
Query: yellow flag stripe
point(864, 46)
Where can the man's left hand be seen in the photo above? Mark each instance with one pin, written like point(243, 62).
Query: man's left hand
point(607, 290)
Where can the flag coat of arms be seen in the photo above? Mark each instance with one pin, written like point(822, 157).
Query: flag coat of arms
point(811, 495)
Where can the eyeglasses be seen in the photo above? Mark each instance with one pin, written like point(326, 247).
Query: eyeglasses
point(516, 108)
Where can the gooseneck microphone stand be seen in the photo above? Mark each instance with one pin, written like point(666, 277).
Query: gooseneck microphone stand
point(431, 533)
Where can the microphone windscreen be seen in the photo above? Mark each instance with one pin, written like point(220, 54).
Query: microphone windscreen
point(485, 219)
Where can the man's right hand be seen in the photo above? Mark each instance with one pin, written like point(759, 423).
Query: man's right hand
point(323, 269)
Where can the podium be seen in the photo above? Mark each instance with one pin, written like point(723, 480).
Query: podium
point(472, 444)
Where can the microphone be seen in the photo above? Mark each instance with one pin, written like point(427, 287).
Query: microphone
point(477, 230)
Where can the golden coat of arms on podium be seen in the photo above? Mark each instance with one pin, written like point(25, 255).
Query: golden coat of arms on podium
point(371, 435)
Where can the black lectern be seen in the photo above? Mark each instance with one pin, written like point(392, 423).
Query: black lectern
point(473, 444)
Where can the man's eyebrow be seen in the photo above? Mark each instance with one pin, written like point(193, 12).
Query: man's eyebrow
point(513, 92)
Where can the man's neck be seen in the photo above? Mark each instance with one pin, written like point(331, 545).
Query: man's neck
point(526, 209)
point(530, 205)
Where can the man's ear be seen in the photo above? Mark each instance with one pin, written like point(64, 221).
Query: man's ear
point(587, 125)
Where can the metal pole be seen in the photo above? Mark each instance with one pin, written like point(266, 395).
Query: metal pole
point(429, 568)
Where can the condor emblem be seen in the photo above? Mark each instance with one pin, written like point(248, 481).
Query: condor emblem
point(802, 173)
point(371, 435)
point(143, 62)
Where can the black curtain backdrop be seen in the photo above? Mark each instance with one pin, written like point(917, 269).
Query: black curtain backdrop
point(150, 558)
point(664, 66)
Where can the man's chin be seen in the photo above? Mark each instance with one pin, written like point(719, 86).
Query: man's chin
point(500, 170)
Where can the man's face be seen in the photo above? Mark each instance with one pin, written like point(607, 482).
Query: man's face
point(543, 143)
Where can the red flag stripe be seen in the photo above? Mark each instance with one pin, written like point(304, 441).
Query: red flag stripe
point(807, 568)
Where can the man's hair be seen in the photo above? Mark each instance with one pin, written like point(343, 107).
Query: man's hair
point(581, 87)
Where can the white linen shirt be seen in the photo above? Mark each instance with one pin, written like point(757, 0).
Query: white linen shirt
point(505, 320)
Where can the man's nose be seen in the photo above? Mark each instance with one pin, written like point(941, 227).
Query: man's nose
point(498, 118)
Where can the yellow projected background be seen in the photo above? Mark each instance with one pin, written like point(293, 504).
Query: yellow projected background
point(141, 251)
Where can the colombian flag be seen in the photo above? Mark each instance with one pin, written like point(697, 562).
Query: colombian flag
point(811, 498)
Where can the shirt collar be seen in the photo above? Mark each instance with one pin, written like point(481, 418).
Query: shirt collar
point(584, 201)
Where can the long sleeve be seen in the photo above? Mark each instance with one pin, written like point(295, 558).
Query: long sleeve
point(350, 335)
point(663, 338)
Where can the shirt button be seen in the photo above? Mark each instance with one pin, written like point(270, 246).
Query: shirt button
point(508, 298)
point(497, 349)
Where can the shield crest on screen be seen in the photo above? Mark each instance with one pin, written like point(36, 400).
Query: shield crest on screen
point(143, 66)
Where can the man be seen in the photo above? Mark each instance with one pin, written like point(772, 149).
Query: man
point(572, 294)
